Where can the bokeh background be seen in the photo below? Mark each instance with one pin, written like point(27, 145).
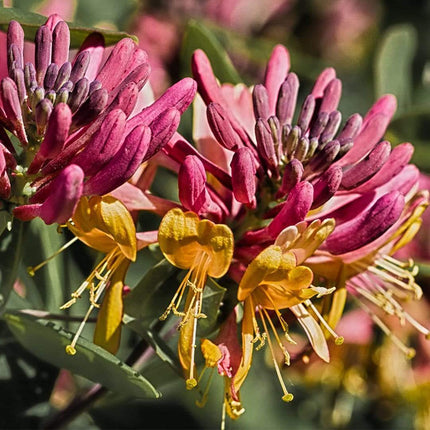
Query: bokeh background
point(376, 47)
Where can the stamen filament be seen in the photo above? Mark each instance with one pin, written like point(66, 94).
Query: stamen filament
point(338, 340)
point(287, 397)
point(409, 352)
point(32, 269)
point(191, 381)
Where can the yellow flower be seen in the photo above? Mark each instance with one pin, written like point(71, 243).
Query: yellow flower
point(274, 280)
point(205, 249)
point(103, 223)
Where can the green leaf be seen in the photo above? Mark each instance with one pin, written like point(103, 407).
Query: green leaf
point(49, 279)
point(11, 248)
point(393, 65)
point(145, 302)
point(198, 36)
point(47, 341)
point(31, 21)
point(212, 297)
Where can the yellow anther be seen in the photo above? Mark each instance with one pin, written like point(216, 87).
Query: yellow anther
point(339, 340)
point(287, 397)
point(70, 350)
point(191, 383)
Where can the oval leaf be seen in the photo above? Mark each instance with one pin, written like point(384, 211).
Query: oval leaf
point(30, 22)
point(47, 341)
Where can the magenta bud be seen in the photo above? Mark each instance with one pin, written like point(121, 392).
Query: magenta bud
point(126, 98)
point(193, 193)
point(18, 77)
point(79, 94)
point(287, 99)
point(306, 113)
point(30, 76)
point(371, 132)
point(10, 99)
point(204, 75)
point(192, 184)
point(14, 59)
point(179, 96)
point(43, 111)
point(80, 66)
point(292, 176)
point(367, 167)
point(243, 177)
point(162, 128)
point(319, 124)
point(332, 127)
point(63, 75)
point(277, 69)
point(124, 163)
point(103, 145)
point(265, 146)
point(15, 36)
point(326, 186)
point(218, 119)
point(43, 52)
point(323, 158)
point(91, 108)
point(398, 159)
point(60, 43)
point(324, 78)
point(366, 226)
point(331, 96)
point(116, 66)
point(260, 100)
point(50, 76)
point(55, 136)
point(351, 128)
point(294, 210)
point(63, 195)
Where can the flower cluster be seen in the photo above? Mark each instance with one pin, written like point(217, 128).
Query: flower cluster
point(77, 126)
point(280, 202)
point(316, 211)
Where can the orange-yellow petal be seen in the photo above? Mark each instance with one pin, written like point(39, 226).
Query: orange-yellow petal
point(104, 223)
point(272, 263)
point(247, 344)
point(108, 328)
point(183, 236)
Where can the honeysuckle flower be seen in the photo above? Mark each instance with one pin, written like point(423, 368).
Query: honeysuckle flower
point(104, 224)
point(277, 280)
point(204, 249)
point(81, 121)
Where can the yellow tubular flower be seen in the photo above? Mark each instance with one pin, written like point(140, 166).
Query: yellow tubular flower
point(274, 280)
point(103, 223)
point(205, 249)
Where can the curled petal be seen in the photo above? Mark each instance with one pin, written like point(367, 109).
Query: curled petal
point(182, 237)
point(104, 223)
